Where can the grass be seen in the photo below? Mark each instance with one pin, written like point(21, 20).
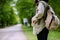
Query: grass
point(53, 35)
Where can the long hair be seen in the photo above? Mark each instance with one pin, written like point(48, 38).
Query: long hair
point(37, 1)
point(46, 0)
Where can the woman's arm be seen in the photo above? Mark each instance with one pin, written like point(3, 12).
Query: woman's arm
point(39, 13)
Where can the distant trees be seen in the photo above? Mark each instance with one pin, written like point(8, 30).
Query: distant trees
point(7, 16)
point(25, 9)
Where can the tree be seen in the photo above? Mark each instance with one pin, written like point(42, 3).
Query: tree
point(25, 9)
point(7, 16)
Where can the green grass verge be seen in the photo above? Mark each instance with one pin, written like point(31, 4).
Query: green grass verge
point(53, 35)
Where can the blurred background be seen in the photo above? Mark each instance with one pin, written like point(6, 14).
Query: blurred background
point(14, 12)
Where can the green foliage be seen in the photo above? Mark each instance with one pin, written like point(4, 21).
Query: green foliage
point(7, 16)
point(25, 8)
point(5, 1)
point(56, 6)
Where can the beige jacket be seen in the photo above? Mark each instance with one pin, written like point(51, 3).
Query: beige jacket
point(39, 13)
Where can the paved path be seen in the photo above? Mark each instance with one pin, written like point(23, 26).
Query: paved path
point(12, 33)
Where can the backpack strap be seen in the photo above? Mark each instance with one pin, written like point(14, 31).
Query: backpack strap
point(51, 20)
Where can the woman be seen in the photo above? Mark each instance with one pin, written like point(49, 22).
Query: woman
point(44, 19)
point(41, 31)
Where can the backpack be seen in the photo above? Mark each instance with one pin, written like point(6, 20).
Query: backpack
point(52, 21)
